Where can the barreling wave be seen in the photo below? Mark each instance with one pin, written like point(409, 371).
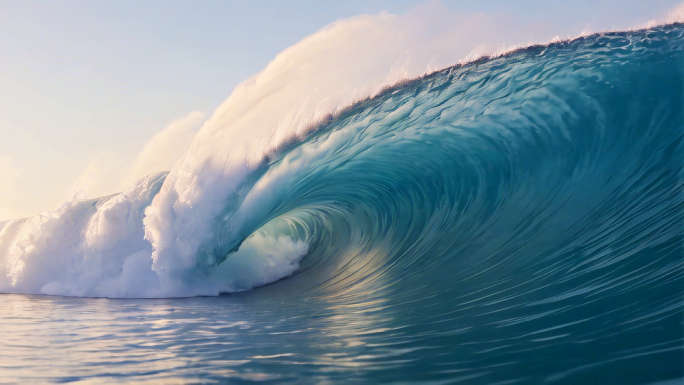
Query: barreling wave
point(554, 167)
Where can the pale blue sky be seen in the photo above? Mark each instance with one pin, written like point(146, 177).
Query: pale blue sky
point(81, 77)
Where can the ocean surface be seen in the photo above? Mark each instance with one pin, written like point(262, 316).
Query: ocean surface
point(517, 219)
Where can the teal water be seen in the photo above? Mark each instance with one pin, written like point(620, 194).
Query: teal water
point(253, 337)
point(514, 220)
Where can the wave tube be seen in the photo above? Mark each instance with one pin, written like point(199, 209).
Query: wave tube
point(545, 150)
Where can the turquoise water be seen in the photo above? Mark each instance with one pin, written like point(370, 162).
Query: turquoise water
point(268, 336)
point(514, 220)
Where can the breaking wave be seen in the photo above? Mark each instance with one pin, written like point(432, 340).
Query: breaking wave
point(551, 173)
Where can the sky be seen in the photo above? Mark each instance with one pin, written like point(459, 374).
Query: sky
point(95, 94)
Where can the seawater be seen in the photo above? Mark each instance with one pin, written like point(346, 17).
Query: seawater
point(516, 219)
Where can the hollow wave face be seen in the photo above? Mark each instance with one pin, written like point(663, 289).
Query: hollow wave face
point(529, 204)
point(554, 172)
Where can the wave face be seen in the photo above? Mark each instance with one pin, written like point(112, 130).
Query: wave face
point(521, 213)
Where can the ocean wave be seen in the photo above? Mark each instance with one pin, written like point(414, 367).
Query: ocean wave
point(555, 166)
